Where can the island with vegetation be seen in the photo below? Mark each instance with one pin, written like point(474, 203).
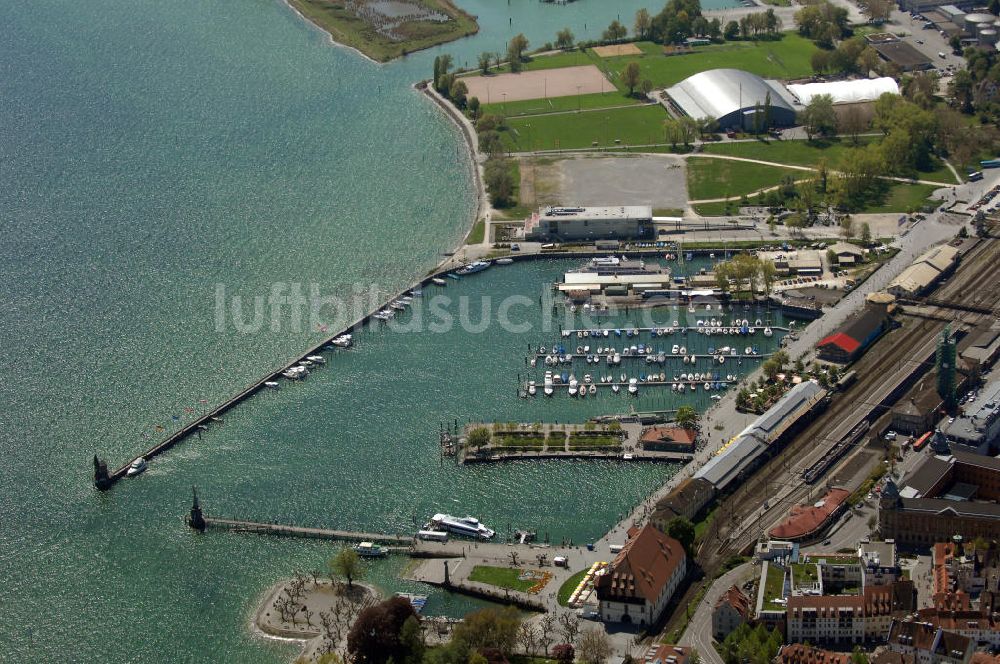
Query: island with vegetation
point(388, 29)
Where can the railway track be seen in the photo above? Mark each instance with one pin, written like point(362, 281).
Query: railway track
point(740, 518)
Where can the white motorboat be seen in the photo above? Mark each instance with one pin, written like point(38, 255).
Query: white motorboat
point(684, 350)
point(532, 390)
point(768, 332)
point(370, 550)
point(295, 373)
point(343, 341)
point(467, 526)
point(504, 261)
point(615, 389)
point(633, 386)
point(438, 281)
point(273, 384)
point(675, 349)
point(593, 389)
point(624, 378)
point(316, 359)
point(138, 466)
point(748, 350)
point(686, 360)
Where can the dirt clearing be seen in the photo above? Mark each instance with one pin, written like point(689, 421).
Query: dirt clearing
point(540, 84)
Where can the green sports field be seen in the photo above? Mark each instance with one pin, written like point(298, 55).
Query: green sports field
point(627, 126)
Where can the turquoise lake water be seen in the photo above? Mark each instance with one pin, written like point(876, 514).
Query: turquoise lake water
point(152, 151)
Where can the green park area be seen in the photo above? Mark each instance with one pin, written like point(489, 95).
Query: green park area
point(811, 153)
point(720, 178)
point(382, 38)
point(616, 127)
point(501, 577)
point(569, 585)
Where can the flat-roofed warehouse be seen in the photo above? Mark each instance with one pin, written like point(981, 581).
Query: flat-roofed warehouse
point(925, 272)
point(732, 97)
point(903, 55)
point(623, 222)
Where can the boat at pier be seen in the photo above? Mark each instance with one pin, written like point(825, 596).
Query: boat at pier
point(370, 550)
point(472, 268)
point(138, 466)
point(466, 526)
point(504, 261)
point(438, 281)
point(343, 341)
point(295, 373)
point(273, 384)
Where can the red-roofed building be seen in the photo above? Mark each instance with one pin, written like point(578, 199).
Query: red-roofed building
point(732, 610)
point(928, 644)
point(642, 578)
point(798, 653)
point(850, 341)
point(667, 653)
point(826, 618)
point(806, 522)
point(668, 439)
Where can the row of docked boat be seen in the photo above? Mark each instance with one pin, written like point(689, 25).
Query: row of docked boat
point(394, 307)
point(588, 385)
point(301, 369)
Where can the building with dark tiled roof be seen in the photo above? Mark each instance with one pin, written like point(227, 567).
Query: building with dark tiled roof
point(732, 610)
point(797, 653)
point(928, 644)
point(642, 578)
point(853, 338)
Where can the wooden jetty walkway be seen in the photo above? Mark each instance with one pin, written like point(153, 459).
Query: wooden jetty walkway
point(285, 530)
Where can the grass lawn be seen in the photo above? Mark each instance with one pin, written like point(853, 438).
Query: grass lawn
point(347, 28)
point(668, 212)
point(809, 153)
point(786, 58)
point(513, 109)
point(630, 126)
point(477, 233)
point(504, 440)
point(502, 577)
point(795, 152)
point(804, 574)
point(717, 178)
point(569, 585)
point(773, 587)
point(903, 197)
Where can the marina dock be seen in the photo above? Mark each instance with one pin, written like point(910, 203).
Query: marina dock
point(661, 330)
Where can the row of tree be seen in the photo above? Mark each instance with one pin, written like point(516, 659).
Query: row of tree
point(746, 273)
point(391, 631)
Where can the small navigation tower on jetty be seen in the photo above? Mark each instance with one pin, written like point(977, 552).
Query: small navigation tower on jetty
point(196, 520)
point(101, 478)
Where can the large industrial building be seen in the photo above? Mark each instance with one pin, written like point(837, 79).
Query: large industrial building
point(564, 224)
point(929, 268)
point(732, 97)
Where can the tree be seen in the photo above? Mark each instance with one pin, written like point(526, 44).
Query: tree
point(437, 71)
point(877, 11)
point(818, 118)
point(686, 417)
point(645, 87)
point(485, 58)
point(820, 61)
point(375, 637)
point(499, 181)
point(642, 23)
point(682, 530)
point(731, 31)
point(847, 227)
point(615, 32)
point(569, 625)
point(473, 106)
point(442, 64)
point(594, 646)
point(346, 564)
point(630, 76)
point(866, 234)
point(458, 93)
point(546, 632)
point(831, 258)
point(516, 47)
point(854, 121)
point(565, 39)
point(478, 437)
point(858, 656)
point(490, 628)
point(411, 639)
point(564, 653)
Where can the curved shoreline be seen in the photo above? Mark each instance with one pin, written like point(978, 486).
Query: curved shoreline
point(471, 142)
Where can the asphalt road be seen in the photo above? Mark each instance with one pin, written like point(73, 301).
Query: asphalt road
point(699, 630)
